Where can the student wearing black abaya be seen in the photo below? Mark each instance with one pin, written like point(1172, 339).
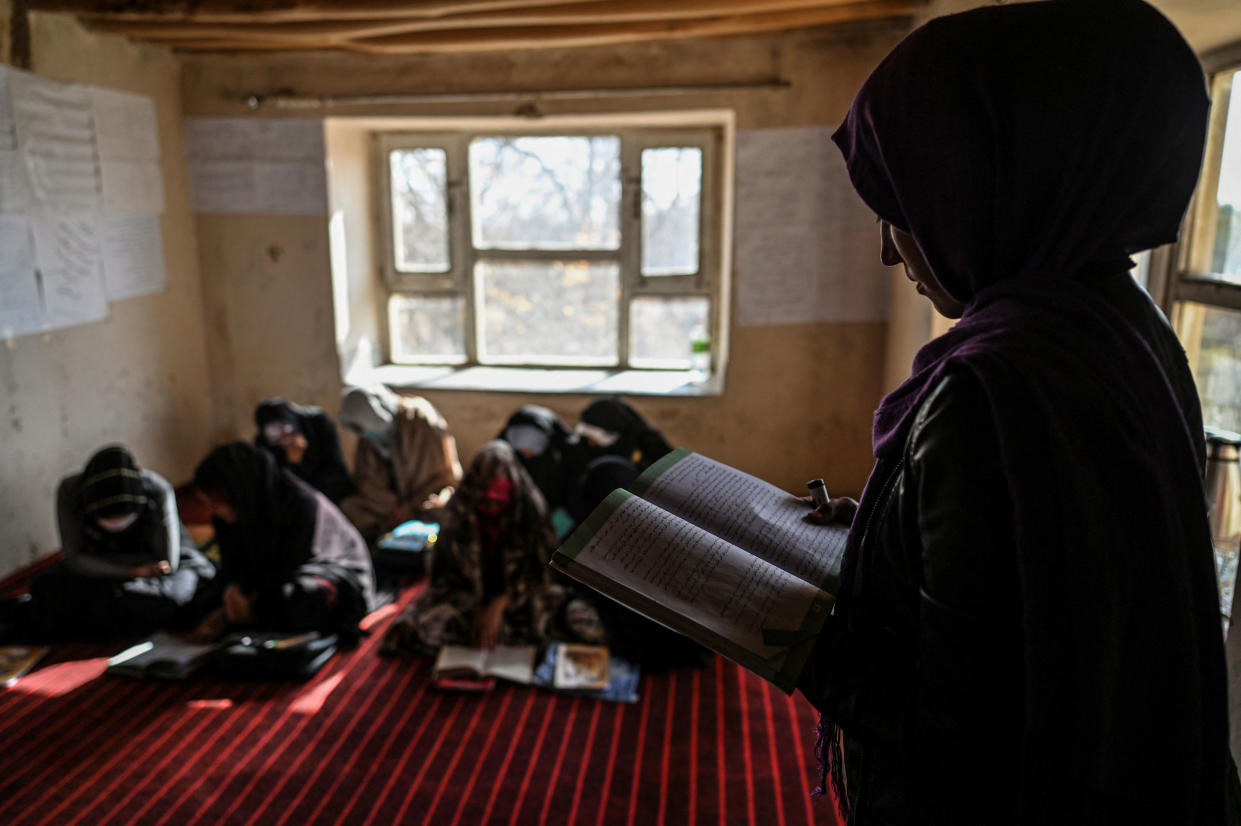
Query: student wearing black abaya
point(611, 427)
point(539, 437)
point(1028, 629)
point(290, 561)
point(304, 439)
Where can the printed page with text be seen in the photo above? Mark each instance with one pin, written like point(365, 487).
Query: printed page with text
point(717, 555)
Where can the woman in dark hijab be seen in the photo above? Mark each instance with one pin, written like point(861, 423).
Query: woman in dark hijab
point(290, 561)
point(611, 427)
point(1028, 628)
point(129, 565)
point(489, 581)
point(304, 439)
point(541, 439)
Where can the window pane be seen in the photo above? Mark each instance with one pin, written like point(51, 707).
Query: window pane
point(420, 209)
point(548, 312)
point(671, 198)
point(427, 329)
point(550, 193)
point(1212, 338)
point(1226, 252)
point(661, 329)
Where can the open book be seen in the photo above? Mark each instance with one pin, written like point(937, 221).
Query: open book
point(717, 555)
point(164, 656)
point(513, 663)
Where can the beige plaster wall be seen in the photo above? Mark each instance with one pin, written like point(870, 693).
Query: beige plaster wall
point(799, 398)
point(140, 376)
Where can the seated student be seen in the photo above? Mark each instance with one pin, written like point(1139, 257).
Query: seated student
point(289, 560)
point(489, 582)
point(406, 460)
point(541, 439)
point(611, 427)
point(129, 566)
point(304, 439)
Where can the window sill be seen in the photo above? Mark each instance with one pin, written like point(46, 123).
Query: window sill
point(536, 380)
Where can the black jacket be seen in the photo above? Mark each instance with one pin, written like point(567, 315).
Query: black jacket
point(925, 673)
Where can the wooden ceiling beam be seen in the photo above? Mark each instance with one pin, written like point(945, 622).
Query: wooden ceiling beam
point(282, 11)
point(499, 39)
point(611, 12)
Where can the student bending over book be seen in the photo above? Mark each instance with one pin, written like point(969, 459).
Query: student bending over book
point(489, 582)
point(290, 561)
point(129, 567)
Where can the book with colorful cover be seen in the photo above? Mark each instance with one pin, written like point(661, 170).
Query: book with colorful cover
point(623, 676)
point(581, 667)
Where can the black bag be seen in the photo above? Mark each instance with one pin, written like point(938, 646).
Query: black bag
point(264, 655)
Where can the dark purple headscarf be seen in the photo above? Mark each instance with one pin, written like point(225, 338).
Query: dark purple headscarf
point(1023, 144)
point(1029, 149)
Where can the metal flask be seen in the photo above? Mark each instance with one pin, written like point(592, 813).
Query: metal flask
point(1223, 487)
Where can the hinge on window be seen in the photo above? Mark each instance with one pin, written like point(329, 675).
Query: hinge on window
point(452, 190)
point(633, 188)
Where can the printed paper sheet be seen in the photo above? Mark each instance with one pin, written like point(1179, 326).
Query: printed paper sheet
point(257, 165)
point(132, 249)
point(20, 309)
point(67, 255)
point(55, 140)
point(807, 246)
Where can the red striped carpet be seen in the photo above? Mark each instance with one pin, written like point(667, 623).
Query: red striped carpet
point(368, 741)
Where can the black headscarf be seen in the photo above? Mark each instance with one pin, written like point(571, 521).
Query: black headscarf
point(276, 515)
point(635, 439)
point(1028, 149)
point(599, 478)
point(322, 465)
point(531, 424)
point(112, 485)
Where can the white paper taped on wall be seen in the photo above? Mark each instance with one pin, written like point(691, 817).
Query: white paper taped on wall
point(125, 125)
point(20, 309)
point(257, 165)
point(131, 187)
point(807, 246)
point(13, 194)
point(81, 189)
point(127, 144)
point(70, 266)
point(55, 140)
point(133, 255)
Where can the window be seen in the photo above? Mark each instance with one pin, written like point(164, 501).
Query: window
point(1205, 293)
point(583, 248)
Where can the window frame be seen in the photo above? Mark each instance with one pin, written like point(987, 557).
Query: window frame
point(710, 132)
point(1179, 273)
point(1181, 282)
